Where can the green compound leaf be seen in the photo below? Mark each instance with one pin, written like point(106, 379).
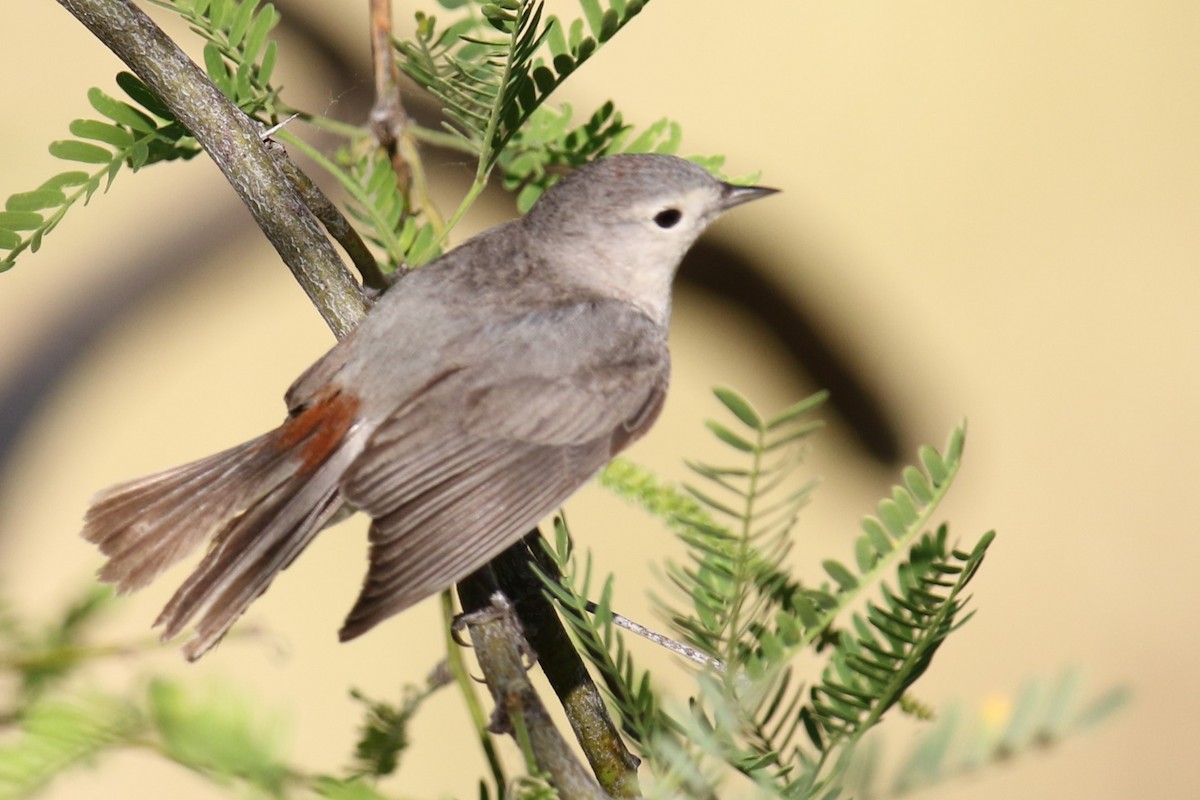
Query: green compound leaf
point(740, 406)
point(120, 112)
point(71, 150)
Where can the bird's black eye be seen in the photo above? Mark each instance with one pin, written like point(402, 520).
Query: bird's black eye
point(668, 217)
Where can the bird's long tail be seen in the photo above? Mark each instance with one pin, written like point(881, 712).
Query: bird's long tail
point(259, 503)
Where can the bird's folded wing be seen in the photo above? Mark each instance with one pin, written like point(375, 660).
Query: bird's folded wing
point(466, 468)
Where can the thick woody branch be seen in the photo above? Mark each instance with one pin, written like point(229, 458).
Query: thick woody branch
point(498, 641)
point(615, 767)
point(233, 142)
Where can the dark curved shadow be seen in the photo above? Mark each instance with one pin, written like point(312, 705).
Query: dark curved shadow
point(737, 282)
point(65, 338)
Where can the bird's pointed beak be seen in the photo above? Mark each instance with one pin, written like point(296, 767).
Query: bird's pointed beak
point(732, 195)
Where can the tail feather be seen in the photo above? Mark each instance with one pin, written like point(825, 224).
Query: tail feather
point(147, 525)
point(251, 551)
point(259, 503)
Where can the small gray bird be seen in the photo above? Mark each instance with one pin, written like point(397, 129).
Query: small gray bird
point(479, 393)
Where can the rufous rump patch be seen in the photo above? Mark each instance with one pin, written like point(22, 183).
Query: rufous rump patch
point(319, 429)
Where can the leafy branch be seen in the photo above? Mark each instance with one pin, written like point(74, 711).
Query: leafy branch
point(733, 568)
point(490, 86)
point(591, 625)
point(964, 739)
point(239, 59)
point(746, 610)
point(893, 642)
point(236, 145)
point(132, 135)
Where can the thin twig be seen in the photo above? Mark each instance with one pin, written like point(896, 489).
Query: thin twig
point(233, 141)
point(394, 130)
point(662, 640)
point(336, 223)
point(388, 117)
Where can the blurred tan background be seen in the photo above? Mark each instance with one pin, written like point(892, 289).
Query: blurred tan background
point(991, 209)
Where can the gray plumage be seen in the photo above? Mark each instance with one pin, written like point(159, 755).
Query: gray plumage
point(480, 392)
